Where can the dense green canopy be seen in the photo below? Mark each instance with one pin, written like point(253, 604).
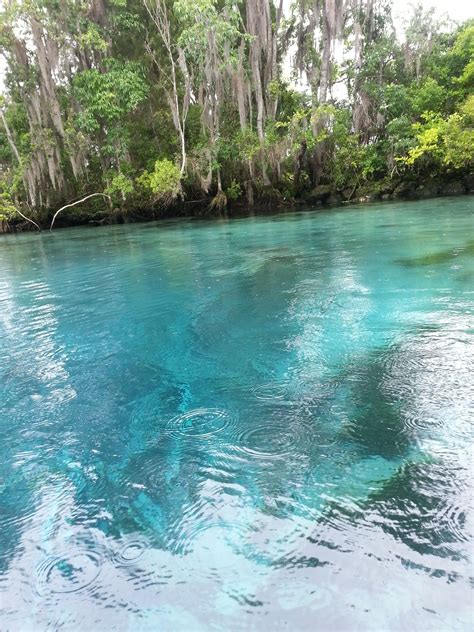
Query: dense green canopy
point(195, 105)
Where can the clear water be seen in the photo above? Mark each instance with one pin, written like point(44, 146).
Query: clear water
point(255, 424)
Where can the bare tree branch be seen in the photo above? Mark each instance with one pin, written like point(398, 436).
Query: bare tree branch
point(28, 219)
point(74, 204)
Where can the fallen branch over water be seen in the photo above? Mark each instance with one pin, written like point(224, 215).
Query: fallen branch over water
point(74, 204)
point(28, 219)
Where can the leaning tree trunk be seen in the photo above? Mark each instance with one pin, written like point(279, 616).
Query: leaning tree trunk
point(11, 142)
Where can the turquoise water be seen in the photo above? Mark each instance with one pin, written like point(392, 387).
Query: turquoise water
point(235, 425)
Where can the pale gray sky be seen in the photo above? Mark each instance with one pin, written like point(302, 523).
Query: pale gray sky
point(458, 10)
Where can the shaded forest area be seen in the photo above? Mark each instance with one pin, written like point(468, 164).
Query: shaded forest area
point(198, 107)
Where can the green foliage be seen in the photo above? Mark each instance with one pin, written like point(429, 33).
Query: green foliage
point(7, 208)
point(234, 190)
point(354, 163)
point(107, 97)
point(164, 182)
point(247, 144)
point(459, 137)
point(120, 188)
point(463, 54)
point(445, 142)
point(93, 38)
point(198, 19)
point(114, 120)
point(427, 96)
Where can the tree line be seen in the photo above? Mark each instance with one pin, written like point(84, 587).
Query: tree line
point(196, 106)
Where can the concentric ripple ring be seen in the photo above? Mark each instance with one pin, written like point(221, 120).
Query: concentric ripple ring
point(270, 391)
point(69, 574)
point(131, 551)
point(200, 423)
point(266, 443)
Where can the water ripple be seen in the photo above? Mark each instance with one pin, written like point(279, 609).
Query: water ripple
point(270, 391)
point(454, 519)
point(270, 441)
point(69, 573)
point(200, 422)
point(227, 530)
point(256, 434)
point(131, 551)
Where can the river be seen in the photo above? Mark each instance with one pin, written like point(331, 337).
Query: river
point(261, 423)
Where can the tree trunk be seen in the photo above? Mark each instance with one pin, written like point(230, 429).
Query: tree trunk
point(10, 137)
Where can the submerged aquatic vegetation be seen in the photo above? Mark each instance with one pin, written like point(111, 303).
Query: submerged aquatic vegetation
point(442, 256)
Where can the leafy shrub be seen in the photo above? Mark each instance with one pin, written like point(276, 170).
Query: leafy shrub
point(7, 208)
point(164, 182)
point(120, 187)
point(234, 190)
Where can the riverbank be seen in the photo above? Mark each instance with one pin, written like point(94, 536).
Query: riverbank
point(322, 196)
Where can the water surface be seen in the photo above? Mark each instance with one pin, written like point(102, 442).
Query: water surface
point(251, 424)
